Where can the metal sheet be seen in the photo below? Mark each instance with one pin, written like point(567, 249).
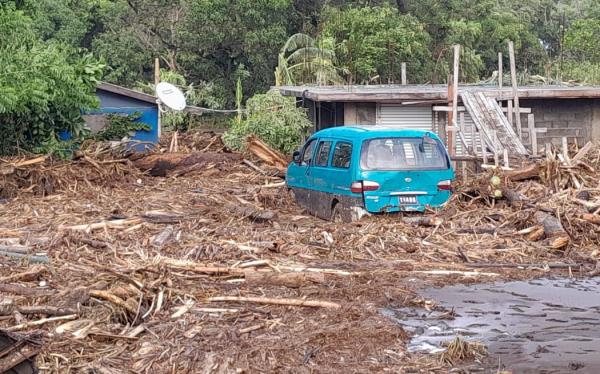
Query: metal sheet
point(403, 116)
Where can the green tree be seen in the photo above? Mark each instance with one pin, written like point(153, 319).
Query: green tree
point(372, 42)
point(44, 87)
point(274, 119)
point(303, 60)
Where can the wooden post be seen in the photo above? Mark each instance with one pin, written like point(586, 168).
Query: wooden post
point(483, 150)
point(513, 77)
point(565, 149)
point(156, 82)
point(500, 71)
point(509, 112)
point(532, 133)
point(455, 96)
point(156, 71)
point(496, 153)
point(450, 119)
point(403, 67)
point(505, 154)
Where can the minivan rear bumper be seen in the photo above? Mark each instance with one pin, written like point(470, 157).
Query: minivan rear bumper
point(390, 203)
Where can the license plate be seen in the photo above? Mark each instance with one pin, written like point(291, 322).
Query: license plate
point(407, 199)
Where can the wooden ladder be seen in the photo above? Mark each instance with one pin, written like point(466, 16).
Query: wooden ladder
point(492, 124)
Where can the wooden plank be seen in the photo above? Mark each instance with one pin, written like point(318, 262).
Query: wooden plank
point(478, 119)
point(403, 67)
point(442, 108)
point(510, 112)
point(508, 132)
point(513, 77)
point(522, 110)
point(565, 149)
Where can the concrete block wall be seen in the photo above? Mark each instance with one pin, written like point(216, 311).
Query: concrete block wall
point(571, 118)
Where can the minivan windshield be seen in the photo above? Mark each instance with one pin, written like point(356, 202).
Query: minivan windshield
point(402, 154)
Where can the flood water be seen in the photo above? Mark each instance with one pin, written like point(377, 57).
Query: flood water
point(541, 326)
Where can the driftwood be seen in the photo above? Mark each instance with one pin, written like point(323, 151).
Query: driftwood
point(253, 213)
point(32, 274)
point(266, 300)
point(291, 280)
point(552, 229)
point(40, 322)
point(25, 291)
point(423, 220)
point(164, 236)
point(593, 218)
point(161, 165)
point(105, 295)
point(527, 172)
point(39, 309)
point(261, 150)
point(17, 352)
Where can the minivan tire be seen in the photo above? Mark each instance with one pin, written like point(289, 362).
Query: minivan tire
point(338, 214)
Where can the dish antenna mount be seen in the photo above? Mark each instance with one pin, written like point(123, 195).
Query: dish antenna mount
point(170, 96)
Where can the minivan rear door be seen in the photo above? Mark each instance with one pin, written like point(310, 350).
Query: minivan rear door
point(406, 170)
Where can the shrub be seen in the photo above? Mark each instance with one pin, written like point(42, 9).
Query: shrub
point(274, 119)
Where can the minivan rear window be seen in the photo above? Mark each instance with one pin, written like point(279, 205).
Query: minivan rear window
point(402, 154)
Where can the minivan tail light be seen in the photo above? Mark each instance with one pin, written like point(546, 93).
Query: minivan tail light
point(445, 185)
point(362, 186)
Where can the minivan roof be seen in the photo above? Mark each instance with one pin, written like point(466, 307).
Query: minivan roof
point(371, 131)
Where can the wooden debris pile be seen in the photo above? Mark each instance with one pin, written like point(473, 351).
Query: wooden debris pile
point(218, 268)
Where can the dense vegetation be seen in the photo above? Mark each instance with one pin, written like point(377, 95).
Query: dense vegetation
point(53, 51)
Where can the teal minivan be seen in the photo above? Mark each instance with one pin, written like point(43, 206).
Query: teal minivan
point(343, 173)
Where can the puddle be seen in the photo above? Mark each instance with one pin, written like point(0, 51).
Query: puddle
point(541, 326)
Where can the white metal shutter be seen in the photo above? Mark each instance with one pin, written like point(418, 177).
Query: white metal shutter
point(405, 116)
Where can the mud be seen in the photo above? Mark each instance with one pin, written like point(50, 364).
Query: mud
point(540, 326)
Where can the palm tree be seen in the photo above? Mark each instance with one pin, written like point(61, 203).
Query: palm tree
point(301, 60)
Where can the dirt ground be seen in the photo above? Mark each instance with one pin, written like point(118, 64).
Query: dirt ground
point(137, 265)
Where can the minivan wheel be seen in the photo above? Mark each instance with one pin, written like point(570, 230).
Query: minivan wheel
point(336, 214)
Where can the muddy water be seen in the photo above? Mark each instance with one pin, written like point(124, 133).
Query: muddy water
point(541, 326)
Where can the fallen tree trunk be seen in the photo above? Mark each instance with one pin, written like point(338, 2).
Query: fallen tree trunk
point(527, 172)
point(261, 150)
point(161, 165)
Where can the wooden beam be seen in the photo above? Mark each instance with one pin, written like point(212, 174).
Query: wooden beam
point(439, 108)
point(522, 110)
point(513, 77)
point(403, 67)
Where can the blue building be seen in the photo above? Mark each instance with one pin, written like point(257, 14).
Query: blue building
point(116, 99)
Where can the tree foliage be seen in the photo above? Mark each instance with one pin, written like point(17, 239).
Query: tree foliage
point(44, 86)
point(273, 118)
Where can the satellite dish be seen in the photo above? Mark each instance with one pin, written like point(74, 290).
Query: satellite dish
point(171, 96)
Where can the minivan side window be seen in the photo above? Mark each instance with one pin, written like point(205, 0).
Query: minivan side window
point(308, 152)
point(323, 153)
point(341, 155)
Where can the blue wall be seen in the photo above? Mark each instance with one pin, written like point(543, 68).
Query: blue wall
point(114, 103)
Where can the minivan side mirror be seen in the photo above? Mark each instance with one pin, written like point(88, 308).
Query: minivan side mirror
point(296, 157)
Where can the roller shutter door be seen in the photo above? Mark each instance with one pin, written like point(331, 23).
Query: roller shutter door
point(404, 116)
